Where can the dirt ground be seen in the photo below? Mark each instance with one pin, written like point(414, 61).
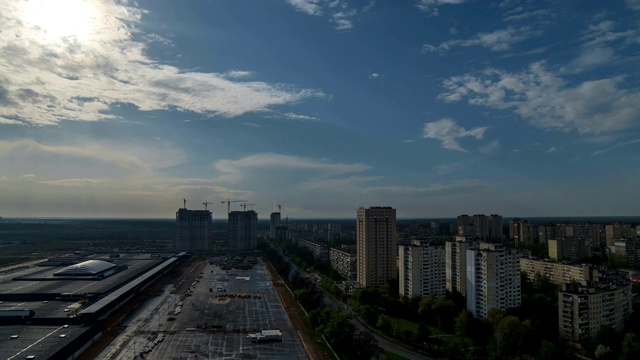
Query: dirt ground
point(310, 342)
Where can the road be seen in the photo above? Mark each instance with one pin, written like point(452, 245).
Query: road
point(383, 341)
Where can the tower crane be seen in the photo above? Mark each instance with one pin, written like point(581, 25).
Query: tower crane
point(244, 206)
point(206, 203)
point(229, 201)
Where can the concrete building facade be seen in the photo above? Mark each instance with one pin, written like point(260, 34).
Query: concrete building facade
point(493, 279)
point(193, 230)
point(274, 222)
point(377, 245)
point(584, 307)
point(569, 249)
point(344, 261)
point(421, 268)
point(320, 250)
point(481, 227)
point(558, 273)
point(456, 264)
point(243, 233)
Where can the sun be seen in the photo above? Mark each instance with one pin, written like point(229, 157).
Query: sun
point(59, 19)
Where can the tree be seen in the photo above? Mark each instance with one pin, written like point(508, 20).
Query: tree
point(463, 323)
point(630, 347)
point(363, 345)
point(423, 333)
point(445, 312)
point(384, 323)
point(425, 309)
point(547, 351)
point(509, 336)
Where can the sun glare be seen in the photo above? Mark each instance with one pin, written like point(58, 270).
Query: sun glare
point(56, 19)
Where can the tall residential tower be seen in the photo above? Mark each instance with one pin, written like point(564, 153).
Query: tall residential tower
point(377, 245)
point(193, 230)
point(243, 233)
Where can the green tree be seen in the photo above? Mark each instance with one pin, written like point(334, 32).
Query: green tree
point(547, 351)
point(509, 336)
point(445, 312)
point(463, 323)
point(384, 323)
point(630, 347)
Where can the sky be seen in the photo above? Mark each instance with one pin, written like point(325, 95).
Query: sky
point(434, 107)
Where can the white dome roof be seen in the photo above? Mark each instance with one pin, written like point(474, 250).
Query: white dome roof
point(86, 268)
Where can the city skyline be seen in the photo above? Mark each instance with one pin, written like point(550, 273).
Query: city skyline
point(435, 108)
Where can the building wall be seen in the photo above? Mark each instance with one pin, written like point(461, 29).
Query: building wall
point(377, 248)
point(456, 264)
point(344, 262)
point(493, 279)
point(557, 273)
point(243, 235)
point(274, 222)
point(583, 308)
point(320, 251)
point(421, 268)
point(193, 230)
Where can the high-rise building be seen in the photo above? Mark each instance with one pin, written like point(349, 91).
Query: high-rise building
point(421, 268)
point(456, 264)
point(377, 245)
point(193, 230)
point(569, 249)
point(481, 227)
point(344, 261)
point(615, 231)
point(274, 222)
point(493, 279)
point(520, 231)
point(584, 307)
point(243, 235)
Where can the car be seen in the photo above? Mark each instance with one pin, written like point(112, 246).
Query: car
point(62, 336)
point(31, 357)
point(65, 326)
point(14, 336)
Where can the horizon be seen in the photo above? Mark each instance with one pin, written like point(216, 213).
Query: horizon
point(112, 109)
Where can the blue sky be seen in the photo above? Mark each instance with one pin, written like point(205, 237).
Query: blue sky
point(434, 107)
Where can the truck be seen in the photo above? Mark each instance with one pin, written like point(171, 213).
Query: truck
point(266, 336)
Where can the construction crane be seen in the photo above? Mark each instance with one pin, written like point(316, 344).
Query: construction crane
point(229, 201)
point(206, 203)
point(244, 206)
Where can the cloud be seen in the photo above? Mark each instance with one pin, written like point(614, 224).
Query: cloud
point(447, 131)
point(499, 40)
point(430, 7)
point(551, 150)
point(309, 7)
point(432, 189)
point(616, 146)
point(72, 182)
point(542, 13)
point(27, 177)
point(491, 147)
point(337, 11)
point(293, 116)
point(375, 76)
point(634, 4)
point(82, 76)
point(548, 101)
point(449, 168)
point(238, 74)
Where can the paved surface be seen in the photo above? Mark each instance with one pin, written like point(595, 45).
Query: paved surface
point(206, 326)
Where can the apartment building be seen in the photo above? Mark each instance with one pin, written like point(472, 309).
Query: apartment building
point(493, 279)
point(570, 248)
point(584, 307)
point(193, 230)
point(243, 235)
point(421, 268)
point(456, 264)
point(377, 245)
point(344, 261)
point(320, 250)
point(558, 273)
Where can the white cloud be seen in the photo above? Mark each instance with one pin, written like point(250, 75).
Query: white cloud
point(549, 101)
point(491, 147)
point(634, 4)
point(338, 12)
point(238, 74)
point(309, 7)
point(499, 40)
point(300, 117)
point(551, 150)
point(449, 168)
point(81, 76)
point(72, 182)
point(432, 189)
point(375, 76)
point(430, 7)
point(27, 177)
point(616, 146)
point(447, 132)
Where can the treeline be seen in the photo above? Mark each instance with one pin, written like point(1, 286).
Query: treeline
point(326, 321)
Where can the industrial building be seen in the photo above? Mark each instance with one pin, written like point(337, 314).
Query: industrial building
point(61, 304)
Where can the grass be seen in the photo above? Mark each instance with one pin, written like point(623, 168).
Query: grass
point(402, 325)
